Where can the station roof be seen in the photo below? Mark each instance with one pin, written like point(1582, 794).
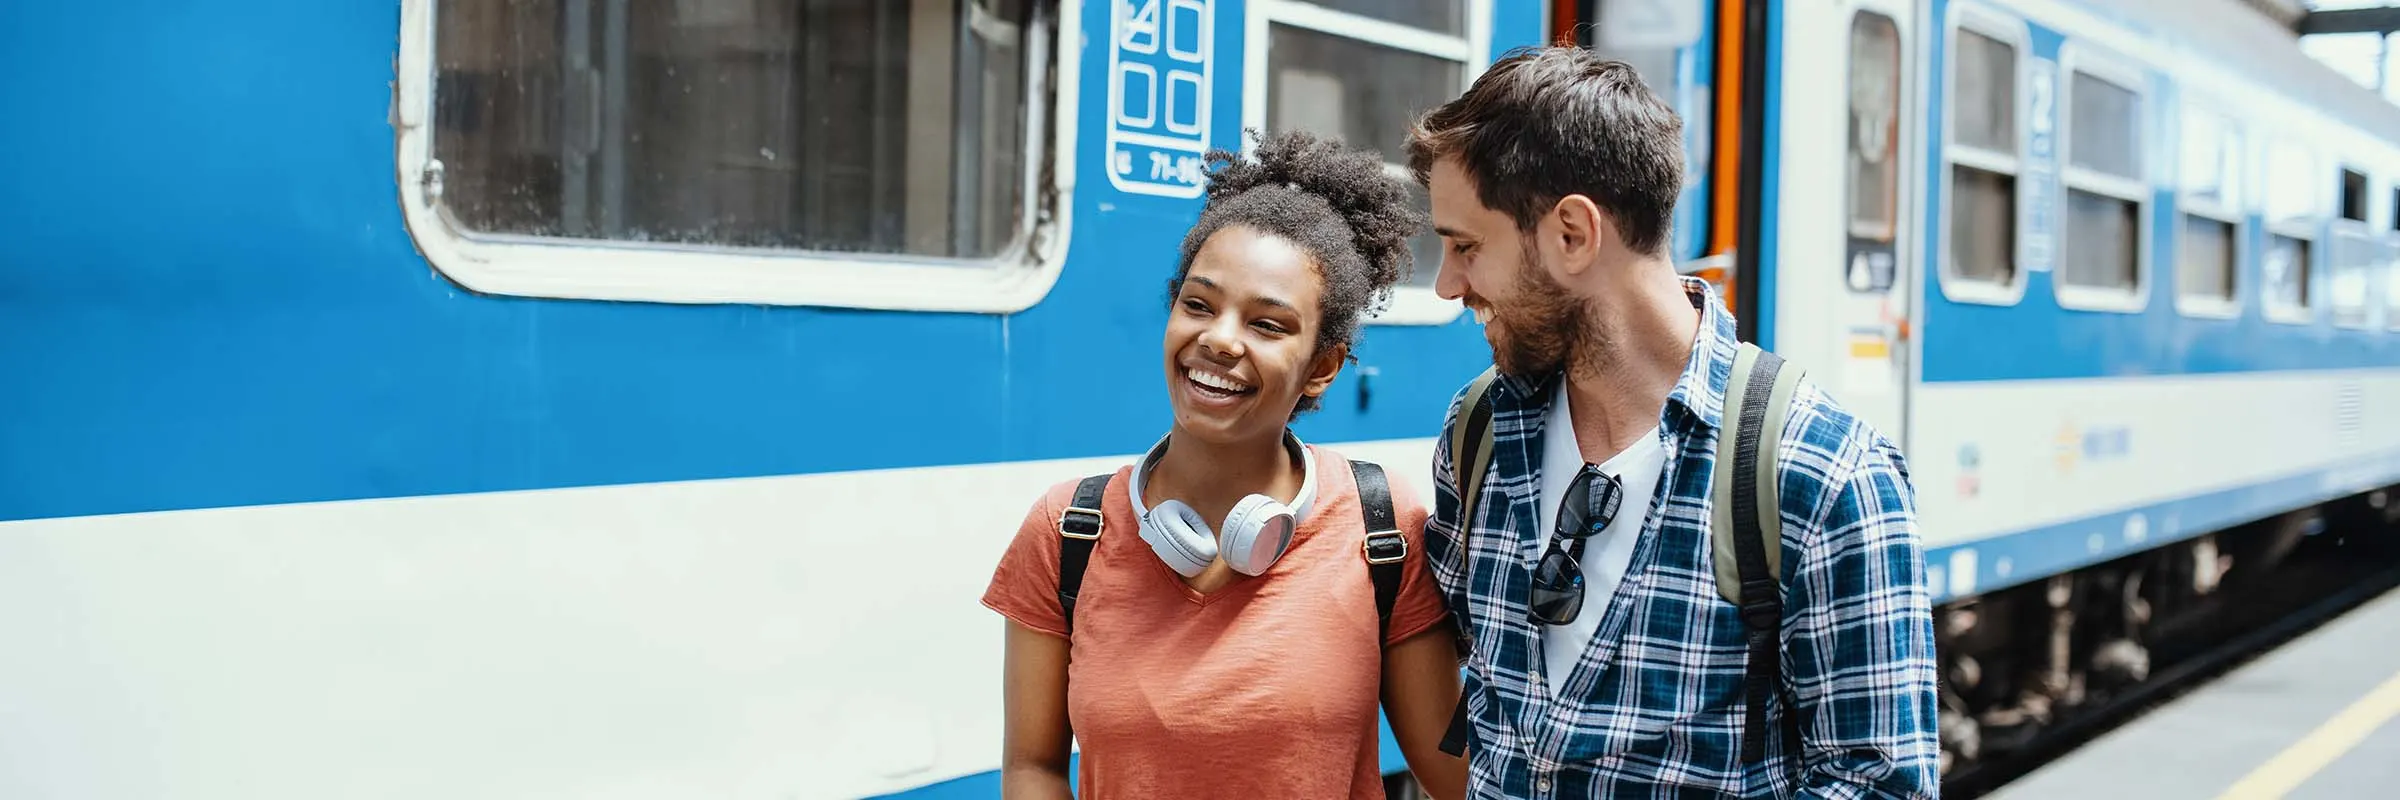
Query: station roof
point(2343, 17)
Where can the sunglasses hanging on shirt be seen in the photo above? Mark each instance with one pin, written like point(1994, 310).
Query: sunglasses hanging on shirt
point(1588, 508)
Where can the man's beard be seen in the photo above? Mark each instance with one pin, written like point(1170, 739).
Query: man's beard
point(1545, 325)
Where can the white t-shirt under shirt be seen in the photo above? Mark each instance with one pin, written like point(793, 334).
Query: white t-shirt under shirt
point(1607, 553)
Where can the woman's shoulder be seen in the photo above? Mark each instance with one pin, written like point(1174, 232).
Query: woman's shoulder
point(1024, 585)
point(1402, 477)
point(1053, 502)
point(1400, 489)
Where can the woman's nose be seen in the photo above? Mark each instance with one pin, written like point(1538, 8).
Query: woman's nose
point(1222, 338)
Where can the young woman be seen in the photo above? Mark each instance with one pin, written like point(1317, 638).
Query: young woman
point(1225, 638)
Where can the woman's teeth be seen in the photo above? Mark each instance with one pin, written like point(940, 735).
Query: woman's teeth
point(1217, 382)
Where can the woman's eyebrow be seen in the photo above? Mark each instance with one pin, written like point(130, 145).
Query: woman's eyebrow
point(1273, 301)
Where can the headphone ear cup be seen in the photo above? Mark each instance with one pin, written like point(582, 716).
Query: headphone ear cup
point(1256, 534)
point(1180, 538)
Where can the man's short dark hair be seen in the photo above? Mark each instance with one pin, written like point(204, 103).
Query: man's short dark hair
point(1546, 123)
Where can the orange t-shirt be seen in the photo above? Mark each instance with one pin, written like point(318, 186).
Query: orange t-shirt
point(1265, 688)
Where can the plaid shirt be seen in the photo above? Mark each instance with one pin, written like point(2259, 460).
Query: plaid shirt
point(1654, 707)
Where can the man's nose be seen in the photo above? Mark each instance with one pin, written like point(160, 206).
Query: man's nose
point(1449, 280)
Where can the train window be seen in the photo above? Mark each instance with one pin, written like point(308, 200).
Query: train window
point(2205, 261)
point(1362, 70)
point(2353, 256)
point(2391, 268)
point(2206, 256)
point(2347, 274)
point(2286, 273)
point(1983, 156)
point(2293, 206)
point(1874, 127)
point(2391, 281)
point(2354, 195)
point(2101, 255)
point(1657, 37)
point(834, 152)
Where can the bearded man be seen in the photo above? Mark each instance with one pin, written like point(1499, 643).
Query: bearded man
point(1602, 660)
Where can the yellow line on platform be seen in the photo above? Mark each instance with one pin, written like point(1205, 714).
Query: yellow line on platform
point(2320, 747)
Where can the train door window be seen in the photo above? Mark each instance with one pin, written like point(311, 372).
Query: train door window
point(1658, 39)
point(2101, 258)
point(2391, 267)
point(1874, 128)
point(2353, 256)
point(2206, 256)
point(1362, 70)
point(2293, 209)
point(864, 153)
point(1983, 156)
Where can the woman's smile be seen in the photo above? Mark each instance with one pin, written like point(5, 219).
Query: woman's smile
point(1211, 389)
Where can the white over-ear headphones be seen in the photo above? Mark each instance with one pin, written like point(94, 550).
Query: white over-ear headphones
point(1255, 533)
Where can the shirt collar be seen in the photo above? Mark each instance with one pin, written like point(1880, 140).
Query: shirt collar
point(1700, 393)
point(1698, 396)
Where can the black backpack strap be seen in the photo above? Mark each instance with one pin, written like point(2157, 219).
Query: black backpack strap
point(1761, 595)
point(1078, 530)
point(1385, 548)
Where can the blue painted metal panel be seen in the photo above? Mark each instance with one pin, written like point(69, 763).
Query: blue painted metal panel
point(2039, 339)
point(255, 326)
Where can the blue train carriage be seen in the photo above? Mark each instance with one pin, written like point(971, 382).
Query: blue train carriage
point(2120, 277)
point(596, 392)
point(584, 393)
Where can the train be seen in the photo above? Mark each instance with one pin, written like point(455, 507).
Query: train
point(631, 398)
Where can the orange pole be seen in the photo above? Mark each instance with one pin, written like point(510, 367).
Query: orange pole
point(1726, 162)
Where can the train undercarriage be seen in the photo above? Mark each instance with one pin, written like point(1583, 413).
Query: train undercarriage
point(2024, 665)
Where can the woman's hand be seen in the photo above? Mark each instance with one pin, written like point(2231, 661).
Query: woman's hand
point(1034, 745)
point(1420, 690)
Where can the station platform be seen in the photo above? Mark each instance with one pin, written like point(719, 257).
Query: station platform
point(2318, 717)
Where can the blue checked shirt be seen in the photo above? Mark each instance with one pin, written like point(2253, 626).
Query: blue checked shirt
point(1654, 707)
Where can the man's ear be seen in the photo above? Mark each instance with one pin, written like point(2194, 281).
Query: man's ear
point(1578, 229)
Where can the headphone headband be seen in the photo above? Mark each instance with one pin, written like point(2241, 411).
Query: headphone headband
point(1302, 503)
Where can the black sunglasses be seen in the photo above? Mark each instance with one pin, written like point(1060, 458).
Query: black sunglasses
point(1588, 508)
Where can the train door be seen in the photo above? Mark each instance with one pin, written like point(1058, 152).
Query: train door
point(1841, 260)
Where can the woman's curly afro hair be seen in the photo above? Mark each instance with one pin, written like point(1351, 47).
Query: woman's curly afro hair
point(1337, 204)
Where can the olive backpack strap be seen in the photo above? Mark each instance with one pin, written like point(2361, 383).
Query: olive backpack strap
point(1471, 449)
point(1746, 531)
point(1470, 457)
point(1078, 530)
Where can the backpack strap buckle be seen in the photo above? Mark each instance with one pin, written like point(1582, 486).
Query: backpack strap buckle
point(1386, 547)
point(1079, 529)
point(1078, 522)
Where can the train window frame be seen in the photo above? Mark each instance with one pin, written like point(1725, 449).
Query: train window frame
point(1016, 278)
point(1410, 305)
point(2124, 73)
point(2229, 209)
point(2011, 31)
point(2344, 232)
point(2305, 226)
